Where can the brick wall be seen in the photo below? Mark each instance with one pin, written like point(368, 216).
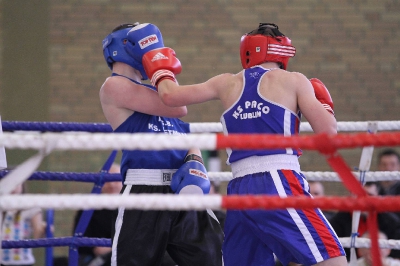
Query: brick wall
point(352, 46)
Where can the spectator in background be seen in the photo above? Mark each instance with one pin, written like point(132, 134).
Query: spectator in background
point(317, 190)
point(21, 225)
point(366, 258)
point(388, 222)
point(100, 226)
point(389, 160)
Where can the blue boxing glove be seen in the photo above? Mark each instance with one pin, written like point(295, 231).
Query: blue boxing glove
point(191, 177)
point(141, 39)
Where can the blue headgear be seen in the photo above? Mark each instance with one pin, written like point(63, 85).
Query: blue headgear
point(114, 48)
point(142, 39)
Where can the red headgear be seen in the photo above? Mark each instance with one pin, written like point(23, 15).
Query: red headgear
point(264, 44)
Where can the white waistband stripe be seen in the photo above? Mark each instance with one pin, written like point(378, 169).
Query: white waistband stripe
point(153, 177)
point(258, 164)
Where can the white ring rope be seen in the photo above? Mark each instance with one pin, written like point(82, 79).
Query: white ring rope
point(143, 141)
point(103, 201)
point(366, 243)
point(45, 142)
point(322, 176)
point(106, 141)
point(146, 202)
point(305, 126)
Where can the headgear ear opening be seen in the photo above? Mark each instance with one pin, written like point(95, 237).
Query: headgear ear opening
point(113, 45)
point(119, 47)
point(114, 48)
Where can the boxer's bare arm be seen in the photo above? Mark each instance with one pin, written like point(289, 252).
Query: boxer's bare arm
point(220, 87)
point(120, 97)
point(320, 120)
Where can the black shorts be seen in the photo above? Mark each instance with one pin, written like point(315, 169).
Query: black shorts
point(191, 237)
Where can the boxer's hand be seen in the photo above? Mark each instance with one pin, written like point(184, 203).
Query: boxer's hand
point(191, 177)
point(322, 94)
point(161, 64)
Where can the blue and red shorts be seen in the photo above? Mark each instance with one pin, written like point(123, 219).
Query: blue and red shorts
point(252, 237)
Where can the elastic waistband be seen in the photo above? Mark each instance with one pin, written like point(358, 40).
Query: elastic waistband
point(153, 177)
point(259, 164)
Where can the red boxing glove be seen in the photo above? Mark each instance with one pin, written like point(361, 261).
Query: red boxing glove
point(161, 64)
point(322, 94)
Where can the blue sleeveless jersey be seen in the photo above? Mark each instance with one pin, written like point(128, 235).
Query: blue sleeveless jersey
point(159, 159)
point(253, 113)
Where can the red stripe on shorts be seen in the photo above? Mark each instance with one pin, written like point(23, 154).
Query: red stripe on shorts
point(312, 216)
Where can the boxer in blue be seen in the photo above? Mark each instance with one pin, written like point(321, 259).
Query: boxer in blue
point(262, 98)
point(141, 238)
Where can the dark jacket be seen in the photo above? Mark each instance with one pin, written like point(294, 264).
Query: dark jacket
point(388, 223)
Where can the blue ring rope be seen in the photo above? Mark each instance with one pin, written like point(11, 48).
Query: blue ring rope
point(56, 126)
point(70, 176)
